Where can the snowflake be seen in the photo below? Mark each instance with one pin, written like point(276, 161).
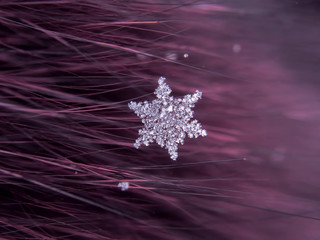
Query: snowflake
point(167, 120)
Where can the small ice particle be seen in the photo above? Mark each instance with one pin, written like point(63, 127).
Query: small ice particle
point(123, 185)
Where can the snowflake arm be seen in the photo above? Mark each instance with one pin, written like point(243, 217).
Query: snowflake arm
point(163, 91)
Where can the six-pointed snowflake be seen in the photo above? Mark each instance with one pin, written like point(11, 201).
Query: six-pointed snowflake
point(167, 120)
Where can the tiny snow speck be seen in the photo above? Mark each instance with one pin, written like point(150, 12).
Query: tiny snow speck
point(167, 120)
point(124, 186)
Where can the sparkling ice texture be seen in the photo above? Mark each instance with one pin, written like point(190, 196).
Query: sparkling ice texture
point(123, 185)
point(167, 120)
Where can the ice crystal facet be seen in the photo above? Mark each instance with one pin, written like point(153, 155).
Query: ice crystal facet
point(167, 120)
